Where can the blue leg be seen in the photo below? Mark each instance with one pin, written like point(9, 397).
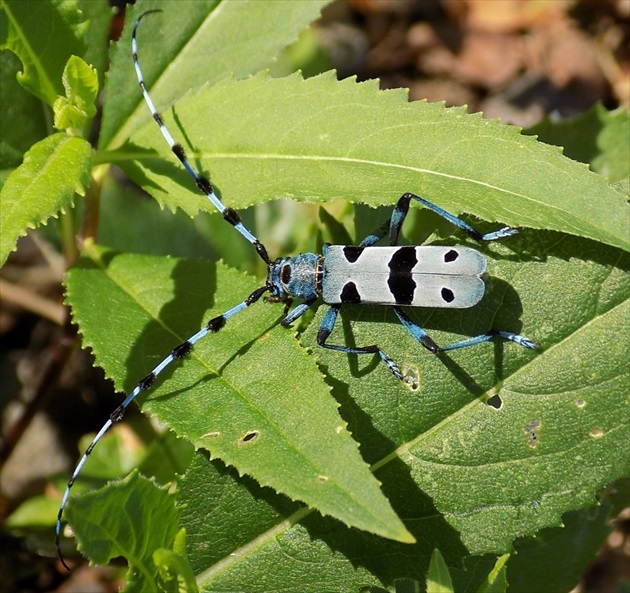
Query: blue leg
point(302, 308)
point(400, 213)
point(416, 331)
point(325, 329)
point(421, 336)
point(376, 236)
point(516, 338)
point(179, 352)
point(203, 183)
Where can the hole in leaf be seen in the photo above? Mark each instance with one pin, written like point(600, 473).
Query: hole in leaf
point(249, 437)
point(495, 401)
point(411, 377)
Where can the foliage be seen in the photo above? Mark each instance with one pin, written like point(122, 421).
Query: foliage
point(491, 445)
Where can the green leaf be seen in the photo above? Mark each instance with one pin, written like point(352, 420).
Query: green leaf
point(77, 106)
point(120, 451)
point(559, 556)
point(175, 571)
point(460, 450)
point(322, 139)
point(598, 137)
point(494, 443)
point(496, 581)
point(213, 39)
point(618, 495)
point(139, 502)
point(263, 543)
point(98, 16)
point(27, 28)
point(53, 171)
point(307, 54)
point(246, 410)
point(36, 512)
point(44, 34)
point(438, 578)
point(22, 119)
point(465, 476)
point(167, 456)
point(562, 408)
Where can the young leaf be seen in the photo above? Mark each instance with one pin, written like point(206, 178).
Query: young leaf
point(496, 582)
point(53, 171)
point(27, 29)
point(249, 394)
point(438, 578)
point(45, 33)
point(176, 575)
point(77, 106)
point(321, 139)
point(139, 502)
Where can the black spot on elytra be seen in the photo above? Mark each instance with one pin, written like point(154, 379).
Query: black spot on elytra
point(401, 283)
point(350, 294)
point(352, 253)
point(447, 295)
point(450, 256)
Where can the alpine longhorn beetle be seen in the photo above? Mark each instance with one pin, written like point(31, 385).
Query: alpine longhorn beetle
point(398, 276)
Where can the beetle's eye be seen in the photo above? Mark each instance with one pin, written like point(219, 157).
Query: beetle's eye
point(285, 274)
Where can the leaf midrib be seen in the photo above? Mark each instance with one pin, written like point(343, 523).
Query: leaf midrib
point(117, 156)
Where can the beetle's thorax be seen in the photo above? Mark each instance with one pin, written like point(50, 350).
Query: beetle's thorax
point(297, 277)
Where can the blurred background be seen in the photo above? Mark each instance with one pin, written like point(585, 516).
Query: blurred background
point(518, 60)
